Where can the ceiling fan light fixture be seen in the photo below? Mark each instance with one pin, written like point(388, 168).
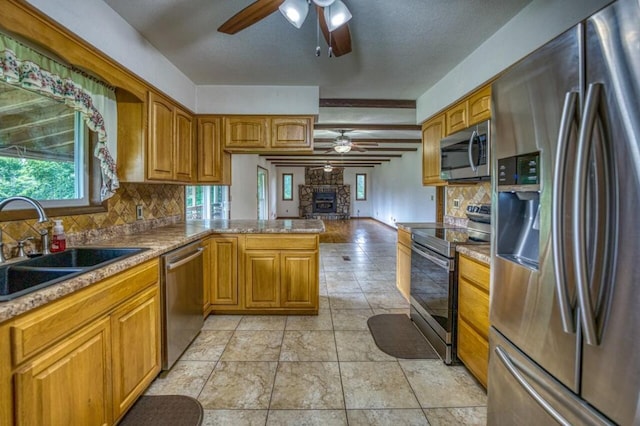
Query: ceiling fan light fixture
point(324, 3)
point(342, 149)
point(336, 15)
point(328, 168)
point(295, 11)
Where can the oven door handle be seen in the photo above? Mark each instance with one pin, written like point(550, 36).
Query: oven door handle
point(443, 263)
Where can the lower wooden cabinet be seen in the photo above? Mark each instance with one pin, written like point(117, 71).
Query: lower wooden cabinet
point(263, 273)
point(403, 263)
point(473, 316)
point(83, 359)
point(69, 384)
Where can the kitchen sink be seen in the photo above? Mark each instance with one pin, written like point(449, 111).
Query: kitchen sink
point(18, 279)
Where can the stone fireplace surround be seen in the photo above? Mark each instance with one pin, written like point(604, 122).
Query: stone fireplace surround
point(320, 181)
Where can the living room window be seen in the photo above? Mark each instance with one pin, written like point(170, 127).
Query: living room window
point(361, 187)
point(287, 186)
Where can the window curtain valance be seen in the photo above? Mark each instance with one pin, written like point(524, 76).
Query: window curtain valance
point(24, 67)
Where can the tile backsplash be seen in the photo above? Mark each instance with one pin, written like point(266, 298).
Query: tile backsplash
point(160, 203)
point(472, 194)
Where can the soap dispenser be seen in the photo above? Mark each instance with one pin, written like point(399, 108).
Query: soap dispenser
point(59, 240)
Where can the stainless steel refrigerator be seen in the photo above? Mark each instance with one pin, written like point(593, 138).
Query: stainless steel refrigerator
point(565, 296)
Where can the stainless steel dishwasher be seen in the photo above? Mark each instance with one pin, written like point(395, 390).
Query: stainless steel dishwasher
point(182, 300)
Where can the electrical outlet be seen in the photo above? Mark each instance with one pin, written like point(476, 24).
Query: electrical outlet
point(432, 198)
point(456, 203)
point(139, 212)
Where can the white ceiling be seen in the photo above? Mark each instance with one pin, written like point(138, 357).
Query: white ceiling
point(400, 49)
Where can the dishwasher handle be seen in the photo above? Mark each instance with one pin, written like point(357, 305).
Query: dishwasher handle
point(179, 263)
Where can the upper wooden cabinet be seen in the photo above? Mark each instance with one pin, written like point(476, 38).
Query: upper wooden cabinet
point(214, 163)
point(432, 132)
point(155, 140)
point(248, 133)
point(472, 110)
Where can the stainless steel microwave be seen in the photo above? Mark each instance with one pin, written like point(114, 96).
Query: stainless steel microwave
point(465, 154)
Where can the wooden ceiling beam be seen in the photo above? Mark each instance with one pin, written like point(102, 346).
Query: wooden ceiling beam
point(377, 149)
point(367, 103)
point(361, 126)
point(335, 157)
point(379, 140)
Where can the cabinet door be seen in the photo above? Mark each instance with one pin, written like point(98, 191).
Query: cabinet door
point(184, 146)
point(135, 329)
point(403, 270)
point(160, 162)
point(291, 133)
point(70, 384)
point(473, 350)
point(480, 106)
point(214, 165)
point(262, 279)
point(432, 132)
point(246, 133)
point(299, 279)
point(457, 117)
point(224, 271)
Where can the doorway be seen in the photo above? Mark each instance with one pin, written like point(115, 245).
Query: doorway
point(263, 193)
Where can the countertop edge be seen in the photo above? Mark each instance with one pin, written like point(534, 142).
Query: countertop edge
point(481, 253)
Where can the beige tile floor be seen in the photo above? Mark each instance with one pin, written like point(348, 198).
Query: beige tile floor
point(325, 369)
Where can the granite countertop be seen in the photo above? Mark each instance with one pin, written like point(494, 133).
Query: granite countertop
point(481, 252)
point(408, 226)
point(158, 241)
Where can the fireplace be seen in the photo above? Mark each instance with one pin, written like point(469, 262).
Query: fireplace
point(324, 202)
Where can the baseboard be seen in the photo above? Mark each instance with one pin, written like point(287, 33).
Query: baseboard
point(395, 228)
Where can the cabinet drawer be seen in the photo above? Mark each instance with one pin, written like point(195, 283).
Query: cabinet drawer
point(35, 331)
point(474, 271)
point(473, 306)
point(473, 350)
point(404, 237)
point(284, 242)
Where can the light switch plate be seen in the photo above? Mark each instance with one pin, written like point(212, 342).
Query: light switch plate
point(139, 212)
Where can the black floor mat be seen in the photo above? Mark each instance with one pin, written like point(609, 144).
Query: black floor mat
point(161, 410)
point(396, 335)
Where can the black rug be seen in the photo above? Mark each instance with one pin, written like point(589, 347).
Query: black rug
point(396, 335)
point(161, 410)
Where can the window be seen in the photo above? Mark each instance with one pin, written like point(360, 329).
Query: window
point(207, 202)
point(43, 149)
point(361, 187)
point(287, 186)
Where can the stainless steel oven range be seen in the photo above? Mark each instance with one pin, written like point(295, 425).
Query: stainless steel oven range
point(434, 284)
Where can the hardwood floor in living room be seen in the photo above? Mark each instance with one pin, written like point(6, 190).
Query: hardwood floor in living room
point(324, 369)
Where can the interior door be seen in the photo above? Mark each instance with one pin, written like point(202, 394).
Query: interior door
point(263, 194)
point(611, 376)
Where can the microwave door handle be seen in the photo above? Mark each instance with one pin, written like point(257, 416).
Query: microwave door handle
point(472, 139)
point(585, 142)
point(557, 212)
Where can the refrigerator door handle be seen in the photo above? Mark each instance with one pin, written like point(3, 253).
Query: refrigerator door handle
point(513, 369)
point(472, 139)
point(585, 142)
point(557, 212)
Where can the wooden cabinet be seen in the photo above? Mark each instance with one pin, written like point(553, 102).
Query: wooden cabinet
point(250, 133)
point(457, 117)
point(155, 140)
point(432, 133)
point(135, 330)
point(473, 316)
point(214, 164)
point(223, 279)
point(70, 384)
point(263, 273)
point(84, 358)
point(403, 263)
point(479, 108)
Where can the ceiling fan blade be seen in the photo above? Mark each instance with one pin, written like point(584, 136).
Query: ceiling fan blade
point(340, 38)
point(355, 142)
point(248, 16)
point(357, 148)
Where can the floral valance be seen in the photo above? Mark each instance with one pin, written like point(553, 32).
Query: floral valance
point(22, 66)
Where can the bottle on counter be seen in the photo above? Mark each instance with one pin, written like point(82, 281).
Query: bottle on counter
point(59, 240)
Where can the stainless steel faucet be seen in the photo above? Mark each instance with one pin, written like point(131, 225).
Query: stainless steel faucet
point(42, 218)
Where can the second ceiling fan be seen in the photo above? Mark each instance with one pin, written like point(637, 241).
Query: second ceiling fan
point(332, 19)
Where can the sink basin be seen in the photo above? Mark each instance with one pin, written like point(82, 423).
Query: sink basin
point(24, 277)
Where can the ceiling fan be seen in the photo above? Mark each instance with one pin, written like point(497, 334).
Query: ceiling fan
point(333, 16)
point(343, 144)
point(328, 167)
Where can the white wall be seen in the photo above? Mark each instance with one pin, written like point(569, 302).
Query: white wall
point(536, 24)
point(258, 100)
point(360, 208)
point(244, 190)
point(398, 194)
point(289, 208)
